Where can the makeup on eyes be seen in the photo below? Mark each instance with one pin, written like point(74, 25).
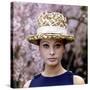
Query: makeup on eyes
point(58, 45)
point(47, 44)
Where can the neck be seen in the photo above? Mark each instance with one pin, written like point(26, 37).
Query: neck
point(53, 70)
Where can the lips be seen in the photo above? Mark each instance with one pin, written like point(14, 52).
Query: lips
point(52, 59)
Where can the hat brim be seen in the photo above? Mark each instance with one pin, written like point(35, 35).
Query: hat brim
point(34, 39)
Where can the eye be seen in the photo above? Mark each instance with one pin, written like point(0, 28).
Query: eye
point(57, 45)
point(45, 45)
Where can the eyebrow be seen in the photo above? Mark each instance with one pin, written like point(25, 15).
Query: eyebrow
point(44, 42)
point(58, 41)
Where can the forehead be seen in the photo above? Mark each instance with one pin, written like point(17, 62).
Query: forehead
point(51, 41)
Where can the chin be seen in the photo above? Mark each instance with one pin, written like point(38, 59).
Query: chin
point(53, 64)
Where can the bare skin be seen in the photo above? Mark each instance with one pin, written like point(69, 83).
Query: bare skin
point(52, 52)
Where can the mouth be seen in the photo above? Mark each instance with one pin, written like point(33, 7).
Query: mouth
point(52, 59)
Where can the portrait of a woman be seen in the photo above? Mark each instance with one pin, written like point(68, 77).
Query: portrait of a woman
point(51, 38)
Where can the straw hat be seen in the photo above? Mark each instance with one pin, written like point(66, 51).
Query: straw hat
point(51, 25)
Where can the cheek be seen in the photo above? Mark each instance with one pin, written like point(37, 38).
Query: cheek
point(60, 52)
point(42, 53)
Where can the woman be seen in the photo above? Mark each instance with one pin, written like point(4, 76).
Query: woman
point(52, 36)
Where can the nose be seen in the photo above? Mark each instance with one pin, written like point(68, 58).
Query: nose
point(52, 51)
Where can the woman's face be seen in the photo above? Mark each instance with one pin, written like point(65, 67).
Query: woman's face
point(51, 51)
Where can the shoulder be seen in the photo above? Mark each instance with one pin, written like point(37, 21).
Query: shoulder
point(78, 80)
point(27, 84)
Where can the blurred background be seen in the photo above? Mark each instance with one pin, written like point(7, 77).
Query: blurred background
point(25, 58)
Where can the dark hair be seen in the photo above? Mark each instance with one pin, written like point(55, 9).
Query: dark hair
point(38, 42)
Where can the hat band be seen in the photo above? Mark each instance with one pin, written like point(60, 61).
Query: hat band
point(52, 29)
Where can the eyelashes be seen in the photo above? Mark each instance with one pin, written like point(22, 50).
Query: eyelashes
point(45, 45)
point(58, 45)
point(55, 46)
